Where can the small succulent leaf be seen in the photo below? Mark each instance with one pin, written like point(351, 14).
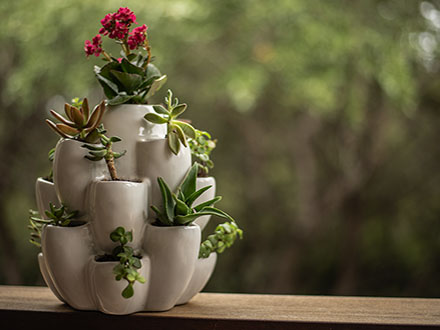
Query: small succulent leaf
point(78, 117)
point(177, 111)
point(67, 130)
point(93, 158)
point(140, 279)
point(211, 202)
point(137, 263)
point(54, 127)
point(188, 185)
point(115, 139)
point(173, 143)
point(99, 153)
point(187, 128)
point(180, 135)
point(85, 109)
point(128, 291)
point(160, 109)
point(114, 236)
point(93, 146)
point(117, 155)
point(190, 199)
point(68, 111)
point(61, 118)
point(129, 236)
point(155, 118)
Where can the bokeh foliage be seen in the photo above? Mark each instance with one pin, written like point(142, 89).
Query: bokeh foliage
point(327, 116)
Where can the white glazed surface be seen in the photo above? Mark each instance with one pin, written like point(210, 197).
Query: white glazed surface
point(67, 251)
point(107, 291)
point(72, 173)
point(202, 273)
point(206, 196)
point(127, 121)
point(173, 252)
point(114, 204)
point(46, 276)
point(156, 160)
point(45, 194)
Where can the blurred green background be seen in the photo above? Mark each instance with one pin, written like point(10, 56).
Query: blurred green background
point(328, 120)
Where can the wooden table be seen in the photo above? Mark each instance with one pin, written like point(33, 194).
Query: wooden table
point(37, 308)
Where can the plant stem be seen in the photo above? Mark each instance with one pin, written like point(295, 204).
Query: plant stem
point(111, 168)
point(107, 56)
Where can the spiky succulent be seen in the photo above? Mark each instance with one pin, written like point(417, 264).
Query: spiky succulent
point(81, 124)
point(177, 130)
point(178, 209)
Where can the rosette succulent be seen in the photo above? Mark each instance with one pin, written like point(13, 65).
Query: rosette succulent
point(131, 78)
point(80, 124)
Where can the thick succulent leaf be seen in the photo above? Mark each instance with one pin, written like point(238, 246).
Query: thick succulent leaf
point(67, 130)
point(190, 199)
point(55, 128)
point(117, 155)
point(156, 85)
point(68, 111)
point(211, 202)
point(129, 81)
point(128, 292)
point(187, 128)
point(177, 111)
point(120, 99)
point(174, 143)
point(131, 68)
point(181, 207)
point(61, 118)
point(85, 108)
point(180, 134)
point(96, 116)
point(162, 217)
point(188, 185)
point(93, 147)
point(167, 198)
point(78, 117)
point(160, 109)
point(115, 139)
point(217, 212)
point(155, 118)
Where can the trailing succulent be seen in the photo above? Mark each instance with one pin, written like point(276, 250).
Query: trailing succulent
point(129, 263)
point(131, 78)
point(105, 151)
point(177, 130)
point(178, 209)
point(201, 147)
point(224, 236)
point(56, 216)
point(81, 124)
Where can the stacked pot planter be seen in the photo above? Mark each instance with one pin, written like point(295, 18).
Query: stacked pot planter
point(69, 260)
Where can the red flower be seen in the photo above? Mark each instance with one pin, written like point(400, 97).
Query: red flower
point(117, 25)
point(93, 47)
point(137, 37)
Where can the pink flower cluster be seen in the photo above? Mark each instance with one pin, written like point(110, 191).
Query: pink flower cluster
point(137, 37)
point(117, 25)
point(93, 47)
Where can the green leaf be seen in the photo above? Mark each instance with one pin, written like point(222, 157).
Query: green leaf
point(173, 143)
point(156, 85)
point(131, 57)
point(115, 139)
point(167, 198)
point(181, 207)
point(120, 99)
point(152, 71)
point(217, 212)
point(208, 203)
point(155, 118)
point(110, 88)
point(93, 158)
point(190, 199)
point(129, 81)
point(160, 109)
point(187, 219)
point(188, 186)
point(177, 111)
point(128, 292)
point(117, 155)
point(131, 68)
point(187, 128)
point(180, 134)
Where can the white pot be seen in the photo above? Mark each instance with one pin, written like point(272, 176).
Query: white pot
point(173, 252)
point(107, 291)
point(127, 121)
point(206, 196)
point(67, 251)
point(46, 277)
point(72, 173)
point(45, 194)
point(202, 274)
point(155, 159)
point(114, 204)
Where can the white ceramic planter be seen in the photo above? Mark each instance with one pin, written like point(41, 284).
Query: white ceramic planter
point(67, 251)
point(107, 291)
point(173, 252)
point(72, 173)
point(155, 159)
point(114, 204)
point(202, 274)
point(45, 194)
point(127, 121)
point(46, 276)
point(206, 196)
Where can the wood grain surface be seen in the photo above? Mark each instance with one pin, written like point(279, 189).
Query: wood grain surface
point(37, 307)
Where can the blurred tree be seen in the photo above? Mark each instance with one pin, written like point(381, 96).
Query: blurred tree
point(327, 120)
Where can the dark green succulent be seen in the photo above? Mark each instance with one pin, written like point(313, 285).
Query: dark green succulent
point(178, 209)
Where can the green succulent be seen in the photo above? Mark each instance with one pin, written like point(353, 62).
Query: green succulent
point(201, 147)
point(81, 124)
point(177, 130)
point(128, 262)
point(224, 236)
point(178, 209)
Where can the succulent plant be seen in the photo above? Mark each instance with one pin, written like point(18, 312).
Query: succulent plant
point(178, 209)
point(128, 262)
point(224, 236)
point(177, 130)
point(201, 147)
point(81, 124)
point(105, 151)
